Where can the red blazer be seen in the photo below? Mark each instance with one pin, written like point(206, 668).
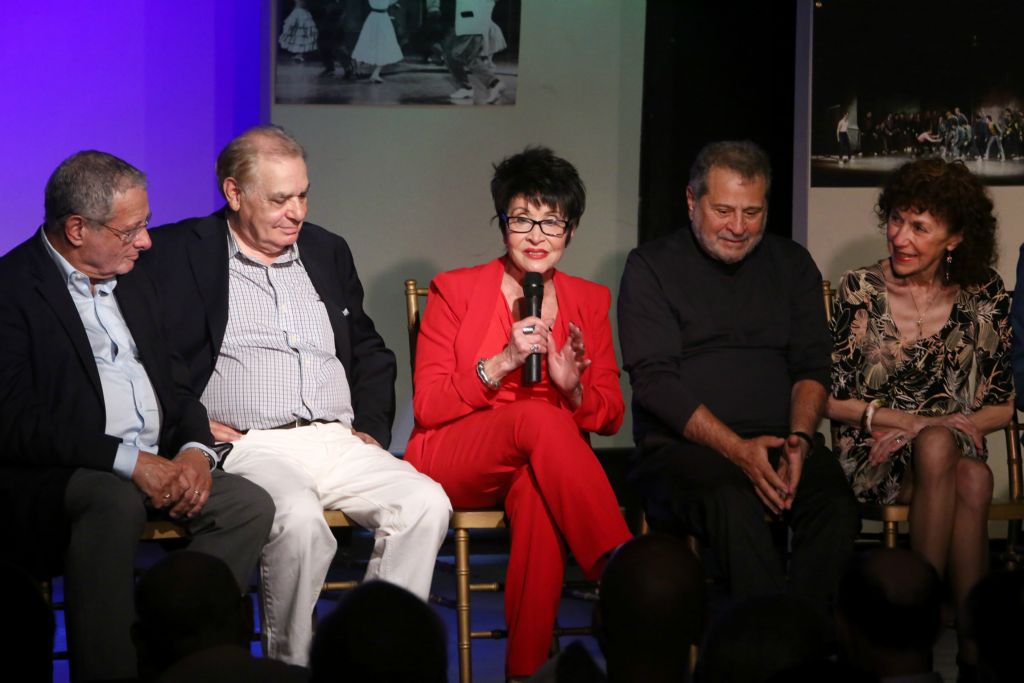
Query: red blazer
point(459, 309)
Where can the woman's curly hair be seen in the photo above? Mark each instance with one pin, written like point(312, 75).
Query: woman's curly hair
point(953, 194)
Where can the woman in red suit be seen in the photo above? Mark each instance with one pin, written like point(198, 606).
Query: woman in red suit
point(488, 437)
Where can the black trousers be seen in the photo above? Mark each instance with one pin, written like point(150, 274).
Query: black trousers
point(689, 489)
point(107, 516)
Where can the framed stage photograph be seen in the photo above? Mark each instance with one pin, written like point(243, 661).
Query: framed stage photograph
point(397, 52)
point(894, 81)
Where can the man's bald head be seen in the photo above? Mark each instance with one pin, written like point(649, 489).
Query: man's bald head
point(240, 157)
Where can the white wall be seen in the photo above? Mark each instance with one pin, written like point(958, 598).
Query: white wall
point(408, 186)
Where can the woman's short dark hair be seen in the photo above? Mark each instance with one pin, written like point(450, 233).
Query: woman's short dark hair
point(954, 195)
point(543, 178)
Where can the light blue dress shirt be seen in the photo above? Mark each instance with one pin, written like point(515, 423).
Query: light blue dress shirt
point(132, 409)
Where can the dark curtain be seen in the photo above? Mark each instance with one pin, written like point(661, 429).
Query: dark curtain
point(715, 71)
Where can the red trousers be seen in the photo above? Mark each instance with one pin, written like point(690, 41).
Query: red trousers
point(531, 455)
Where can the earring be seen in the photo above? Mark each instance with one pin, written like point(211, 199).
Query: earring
point(949, 264)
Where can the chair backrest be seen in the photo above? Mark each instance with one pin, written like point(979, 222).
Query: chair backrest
point(828, 294)
point(1014, 470)
point(413, 311)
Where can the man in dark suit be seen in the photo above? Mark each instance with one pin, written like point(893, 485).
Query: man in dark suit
point(99, 428)
point(268, 312)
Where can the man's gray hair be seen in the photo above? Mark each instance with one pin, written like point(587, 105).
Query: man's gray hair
point(742, 156)
point(85, 184)
point(238, 159)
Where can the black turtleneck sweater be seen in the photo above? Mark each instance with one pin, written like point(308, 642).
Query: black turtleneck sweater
point(735, 338)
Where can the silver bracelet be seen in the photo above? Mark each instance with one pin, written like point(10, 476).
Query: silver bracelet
point(491, 384)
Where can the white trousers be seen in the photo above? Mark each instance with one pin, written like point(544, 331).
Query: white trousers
point(324, 466)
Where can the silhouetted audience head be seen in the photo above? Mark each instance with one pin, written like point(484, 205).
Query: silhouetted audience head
point(759, 637)
point(651, 609)
point(27, 638)
point(994, 609)
point(379, 633)
point(186, 603)
point(823, 671)
point(889, 612)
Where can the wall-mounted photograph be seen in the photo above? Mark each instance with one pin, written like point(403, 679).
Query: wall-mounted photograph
point(894, 81)
point(397, 52)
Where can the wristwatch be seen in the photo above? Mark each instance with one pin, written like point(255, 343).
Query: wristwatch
point(806, 437)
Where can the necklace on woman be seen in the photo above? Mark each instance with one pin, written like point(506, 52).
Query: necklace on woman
point(920, 315)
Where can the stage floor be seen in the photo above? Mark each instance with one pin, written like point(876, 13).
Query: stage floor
point(408, 82)
point(826, 171)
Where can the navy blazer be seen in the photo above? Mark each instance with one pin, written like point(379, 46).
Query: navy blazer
point(52, 415)
point(190, 260)
point(1017, 320)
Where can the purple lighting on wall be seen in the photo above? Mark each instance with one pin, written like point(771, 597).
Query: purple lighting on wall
point(163, 85)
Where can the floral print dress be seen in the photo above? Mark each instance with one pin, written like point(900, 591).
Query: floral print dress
point(929, 376)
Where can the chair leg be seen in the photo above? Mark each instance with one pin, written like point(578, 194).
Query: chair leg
point(1013, 530)
point(889, 534)
point(556, 646)
point(462, 605)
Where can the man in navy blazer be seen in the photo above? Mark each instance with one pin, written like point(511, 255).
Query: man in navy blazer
point(99, 428)
point(268, 312)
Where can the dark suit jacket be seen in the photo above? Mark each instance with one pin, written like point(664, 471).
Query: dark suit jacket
point(1017, 319)
point(190, 260)
point(52, 415)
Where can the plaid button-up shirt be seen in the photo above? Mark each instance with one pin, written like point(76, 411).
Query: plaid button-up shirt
point(277, 359)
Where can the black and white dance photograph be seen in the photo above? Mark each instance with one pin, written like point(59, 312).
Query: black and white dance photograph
point(391, 52)
point(875, 107)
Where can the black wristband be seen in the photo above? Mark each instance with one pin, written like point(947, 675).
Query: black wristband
point(806, 437)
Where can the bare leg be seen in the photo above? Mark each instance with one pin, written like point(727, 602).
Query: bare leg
point(968, 558)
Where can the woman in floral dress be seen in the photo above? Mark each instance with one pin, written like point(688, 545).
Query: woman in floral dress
point(921, 368)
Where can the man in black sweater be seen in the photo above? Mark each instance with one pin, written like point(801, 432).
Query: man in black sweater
point(724, 337)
